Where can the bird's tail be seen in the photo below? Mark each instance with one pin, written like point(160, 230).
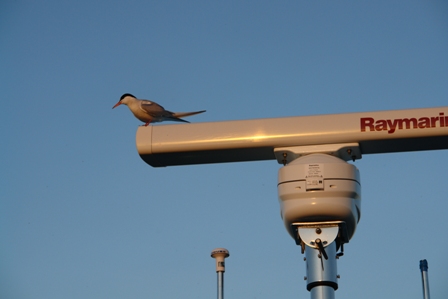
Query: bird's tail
point(184, 114)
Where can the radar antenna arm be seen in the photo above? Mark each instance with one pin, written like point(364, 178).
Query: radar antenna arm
point(256, 139)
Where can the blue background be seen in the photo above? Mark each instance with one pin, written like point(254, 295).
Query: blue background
point(82, 216)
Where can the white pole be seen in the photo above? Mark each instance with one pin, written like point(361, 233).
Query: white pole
point(220, 254)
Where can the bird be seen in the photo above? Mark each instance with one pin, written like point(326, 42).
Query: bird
point(151, 112)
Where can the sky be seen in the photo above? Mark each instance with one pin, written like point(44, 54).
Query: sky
point(82, 216)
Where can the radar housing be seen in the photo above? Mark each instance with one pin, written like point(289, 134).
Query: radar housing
point(319, 188)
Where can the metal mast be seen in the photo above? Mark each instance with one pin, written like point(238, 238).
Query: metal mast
point(424, 270)
point(220, 254)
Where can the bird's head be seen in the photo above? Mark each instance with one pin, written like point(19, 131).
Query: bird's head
point(124, 99)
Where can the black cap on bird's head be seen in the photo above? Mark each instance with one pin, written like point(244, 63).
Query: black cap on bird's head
point(126, 95)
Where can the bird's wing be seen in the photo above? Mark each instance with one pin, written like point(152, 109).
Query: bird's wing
point(154, 109)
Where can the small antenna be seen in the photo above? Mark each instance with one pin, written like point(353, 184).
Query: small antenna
point(424, 270)
point(220, 254)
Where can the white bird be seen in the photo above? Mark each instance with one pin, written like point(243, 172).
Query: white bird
point(149, 111)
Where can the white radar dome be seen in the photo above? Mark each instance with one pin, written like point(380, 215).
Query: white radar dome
point(319, 188)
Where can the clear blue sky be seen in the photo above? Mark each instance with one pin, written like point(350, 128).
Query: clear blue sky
point(82, 216)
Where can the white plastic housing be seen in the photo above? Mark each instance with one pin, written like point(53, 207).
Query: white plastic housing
point(319, 187)
point(220, 254)
point(256, 139)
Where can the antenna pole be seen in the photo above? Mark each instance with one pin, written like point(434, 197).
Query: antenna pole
point(220, 254)
point(220, 285)
point(424, 270)
point(321, 272)
point(319, 243)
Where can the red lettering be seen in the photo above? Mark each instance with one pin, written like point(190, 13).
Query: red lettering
point(433, 121)
point(381, 125)
point(367, 122)
point(408, 122)
point(424, 122)
point(391, 125)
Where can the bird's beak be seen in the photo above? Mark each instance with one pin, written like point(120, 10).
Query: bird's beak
point(117, 104)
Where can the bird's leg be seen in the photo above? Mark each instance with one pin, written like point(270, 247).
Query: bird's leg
point(147, 123)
